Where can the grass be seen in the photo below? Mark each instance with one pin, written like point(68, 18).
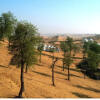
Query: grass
point(88, 88)
point(80, 95)
point(3, 66)
point(66, 74)
point(42, 73)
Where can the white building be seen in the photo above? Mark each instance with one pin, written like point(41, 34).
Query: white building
point(87, 40)
point(48, 47)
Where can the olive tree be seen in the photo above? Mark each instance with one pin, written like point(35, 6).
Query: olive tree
point(7, 25)
point(23, 47)
point(40, 47)
point(68, 59)
point(53, 66)
point(63, 47)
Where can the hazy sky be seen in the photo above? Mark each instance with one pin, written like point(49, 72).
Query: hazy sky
point(57, 16)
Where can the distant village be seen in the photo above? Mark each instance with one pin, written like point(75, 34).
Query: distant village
point(50, 47)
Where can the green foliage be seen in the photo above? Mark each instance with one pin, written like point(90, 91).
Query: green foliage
point(7, 25)
point(1, 28)
point(95, 48)
point(76, 49)
point(67, 47)
point(93, 56)
point(93, 60)
point(92, 49)
point(70, 44)
point(86, 46)
point(40, 45)
point(68, 60)
point(63, 46)
point(24, 43)
point(23, 46)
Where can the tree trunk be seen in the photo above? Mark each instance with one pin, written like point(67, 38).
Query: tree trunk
point(63, 66)
point(26, 70)
point(22, 80)
point(40, 57)
point(63, 62)
point(53, 54)
point(70, 53)
point(84, 73)
point(52, 57)
point(53, 75)
point(68, 73)
point(18, 65)
point(53, 65)
point(9, 43)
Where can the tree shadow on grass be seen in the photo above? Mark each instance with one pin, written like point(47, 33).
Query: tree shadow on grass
point(88, 88)
point(42, 73)
point(39, 64)
point(81, 95)
point(17, 97)
point(45, 74)
point(72, 69)
point(14, 97)
point(60, 73)
point(76, 76)
point(14, 60)
point(67, 75)
point(3, 66)
point(47, 97)
point(37, 80)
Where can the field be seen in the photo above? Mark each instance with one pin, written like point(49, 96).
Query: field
point(38, 82)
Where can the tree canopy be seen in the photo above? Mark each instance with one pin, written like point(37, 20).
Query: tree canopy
point(7, 25)
point(23, 46)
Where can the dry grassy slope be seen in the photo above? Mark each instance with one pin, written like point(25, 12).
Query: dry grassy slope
point(38, 80)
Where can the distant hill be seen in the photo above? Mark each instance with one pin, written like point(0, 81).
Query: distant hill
point(60, 37)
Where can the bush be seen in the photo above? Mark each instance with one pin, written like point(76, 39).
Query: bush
point(92, 61)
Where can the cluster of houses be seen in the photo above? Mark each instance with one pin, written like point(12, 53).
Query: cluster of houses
point(50, 48)
point(87, 40)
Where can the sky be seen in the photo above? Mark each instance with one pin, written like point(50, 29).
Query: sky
point(57, 16)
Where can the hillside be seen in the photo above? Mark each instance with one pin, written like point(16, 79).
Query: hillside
point(38, 82)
